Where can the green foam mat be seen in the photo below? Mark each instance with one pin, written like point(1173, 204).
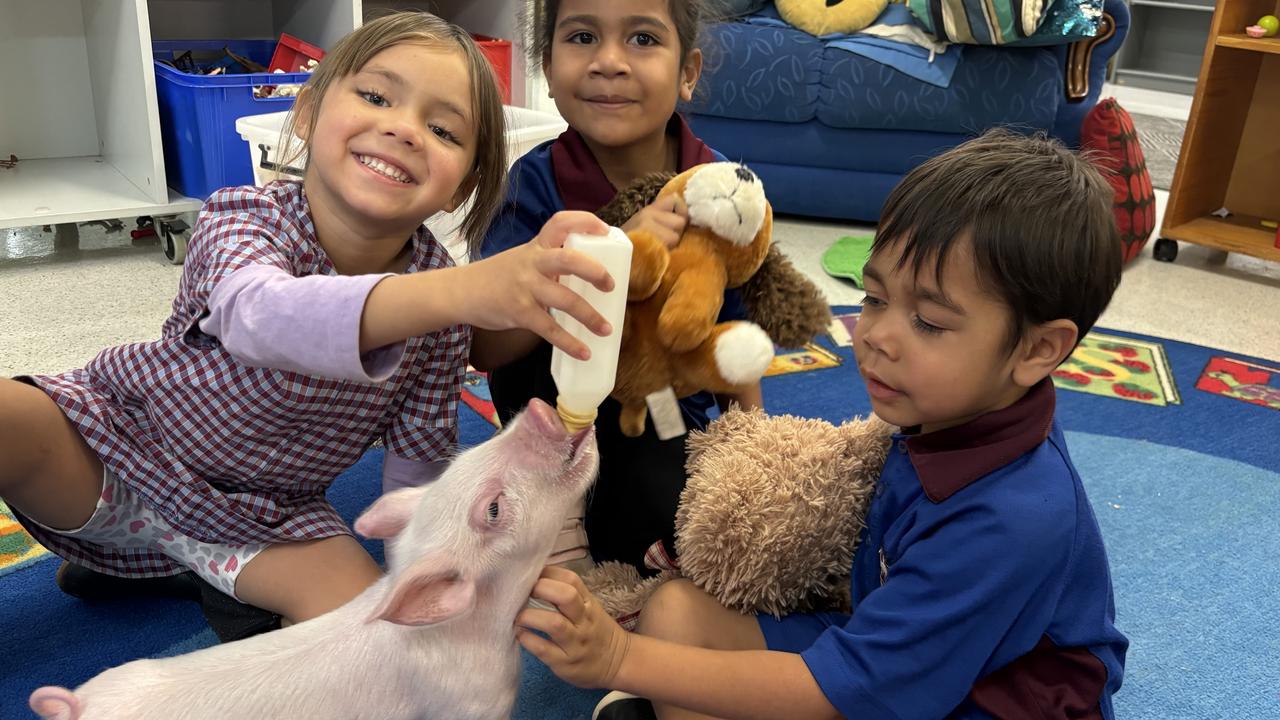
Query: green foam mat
point(847, 256)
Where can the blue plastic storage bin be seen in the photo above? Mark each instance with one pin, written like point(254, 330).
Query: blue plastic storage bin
point(202, 150)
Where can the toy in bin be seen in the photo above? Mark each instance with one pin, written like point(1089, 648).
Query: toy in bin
point(291, 56)
point(294, 55)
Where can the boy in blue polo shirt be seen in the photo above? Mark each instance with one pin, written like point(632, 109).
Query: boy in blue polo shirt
point(980, 586)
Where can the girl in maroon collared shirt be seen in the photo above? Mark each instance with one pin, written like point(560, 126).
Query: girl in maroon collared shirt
point(616, 71)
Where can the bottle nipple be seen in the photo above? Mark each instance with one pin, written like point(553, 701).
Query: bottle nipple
point(574, 421)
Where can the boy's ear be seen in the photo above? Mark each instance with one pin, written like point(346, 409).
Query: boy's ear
point(546, 66)
point(1043, 350)
point(690, 73)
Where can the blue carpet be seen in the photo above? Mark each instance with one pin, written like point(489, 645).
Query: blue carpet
point(1187, 496)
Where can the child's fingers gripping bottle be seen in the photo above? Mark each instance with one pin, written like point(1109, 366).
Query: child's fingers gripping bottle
point(584, 384)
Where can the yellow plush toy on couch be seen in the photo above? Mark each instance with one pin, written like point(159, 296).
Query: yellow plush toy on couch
point(671, 337)
point(823, 17)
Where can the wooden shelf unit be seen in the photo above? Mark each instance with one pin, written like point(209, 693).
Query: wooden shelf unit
point(1244, 42)
point(1231, 151)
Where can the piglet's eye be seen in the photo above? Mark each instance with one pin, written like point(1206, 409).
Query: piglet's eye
point(491, 514)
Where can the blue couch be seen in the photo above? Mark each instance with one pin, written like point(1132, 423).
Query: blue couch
point(832, 132)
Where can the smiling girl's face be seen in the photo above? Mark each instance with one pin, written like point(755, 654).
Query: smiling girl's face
point(394, 143)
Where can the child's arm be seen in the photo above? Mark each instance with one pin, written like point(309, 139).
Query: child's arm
point(587, 648)
point(744, 684)
point(664, 219)
point(352, 327)
point(514, 289)
point(493, 347)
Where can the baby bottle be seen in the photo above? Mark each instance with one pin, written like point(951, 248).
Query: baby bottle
point(584, 384)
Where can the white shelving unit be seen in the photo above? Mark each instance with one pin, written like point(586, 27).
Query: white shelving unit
point(319, 22)
point(1165, 44)
point(78, 83)
point(79, 113)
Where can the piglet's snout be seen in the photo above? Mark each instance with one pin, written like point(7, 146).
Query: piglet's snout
point(544, 421)
point(542, 431)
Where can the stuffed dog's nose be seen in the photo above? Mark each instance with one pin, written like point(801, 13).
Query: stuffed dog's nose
point(744, 174)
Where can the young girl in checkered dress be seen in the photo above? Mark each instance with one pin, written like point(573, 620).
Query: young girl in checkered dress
point(313, 318)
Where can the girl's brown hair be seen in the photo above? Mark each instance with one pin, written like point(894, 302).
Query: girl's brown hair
point(489, 173)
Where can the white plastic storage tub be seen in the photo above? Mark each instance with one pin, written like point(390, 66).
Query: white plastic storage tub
point(262, 135)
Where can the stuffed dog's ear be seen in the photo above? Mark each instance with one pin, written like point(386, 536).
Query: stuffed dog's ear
point(630, 199)
point(785, 302)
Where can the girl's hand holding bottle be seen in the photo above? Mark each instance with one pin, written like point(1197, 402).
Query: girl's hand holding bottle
point(518, 288)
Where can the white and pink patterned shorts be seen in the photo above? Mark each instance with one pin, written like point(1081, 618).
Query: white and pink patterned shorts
point(121, 521)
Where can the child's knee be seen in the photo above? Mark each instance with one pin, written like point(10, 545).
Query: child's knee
point(675, 612)
point(303, 580)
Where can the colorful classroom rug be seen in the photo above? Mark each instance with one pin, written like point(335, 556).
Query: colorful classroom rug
point(1177, 445)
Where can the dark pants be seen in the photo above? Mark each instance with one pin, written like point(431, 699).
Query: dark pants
point(633, 504)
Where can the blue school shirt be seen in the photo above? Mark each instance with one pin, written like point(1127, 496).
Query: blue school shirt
point(996, 599)
point(562, 174)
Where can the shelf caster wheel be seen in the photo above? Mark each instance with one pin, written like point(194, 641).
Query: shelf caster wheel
point(1165, 250)
point(174, 237)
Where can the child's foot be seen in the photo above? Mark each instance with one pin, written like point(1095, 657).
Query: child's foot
point(229, 618)
point(618, 705)
point(85, 584)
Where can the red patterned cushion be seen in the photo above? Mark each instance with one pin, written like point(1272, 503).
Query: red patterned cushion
point(1108, 131)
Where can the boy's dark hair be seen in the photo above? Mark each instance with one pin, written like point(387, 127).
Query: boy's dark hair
point(1039, 218)
point(540, 26)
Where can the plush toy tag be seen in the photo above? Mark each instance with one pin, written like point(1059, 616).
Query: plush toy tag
point(664, 410)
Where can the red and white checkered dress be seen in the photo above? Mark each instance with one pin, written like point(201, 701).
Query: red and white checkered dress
point(235, 454)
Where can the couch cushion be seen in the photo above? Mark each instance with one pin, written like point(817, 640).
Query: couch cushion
point(813, 144)
point(753, 72)
point(991, 86)
point(757, 72)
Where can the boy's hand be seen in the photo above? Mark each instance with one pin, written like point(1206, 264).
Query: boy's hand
point(585, 646)
point(665, 217)
point(518, 287)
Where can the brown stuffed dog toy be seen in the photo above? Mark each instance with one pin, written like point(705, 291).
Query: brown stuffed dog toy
point(779, 298)
point(671, 337)
point(770, 517)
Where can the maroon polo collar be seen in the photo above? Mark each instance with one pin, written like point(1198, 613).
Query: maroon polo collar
point(947, 461)
point(582, 182)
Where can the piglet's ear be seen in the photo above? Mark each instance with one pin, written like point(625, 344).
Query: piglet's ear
point(389, 514)
point(431, 590)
